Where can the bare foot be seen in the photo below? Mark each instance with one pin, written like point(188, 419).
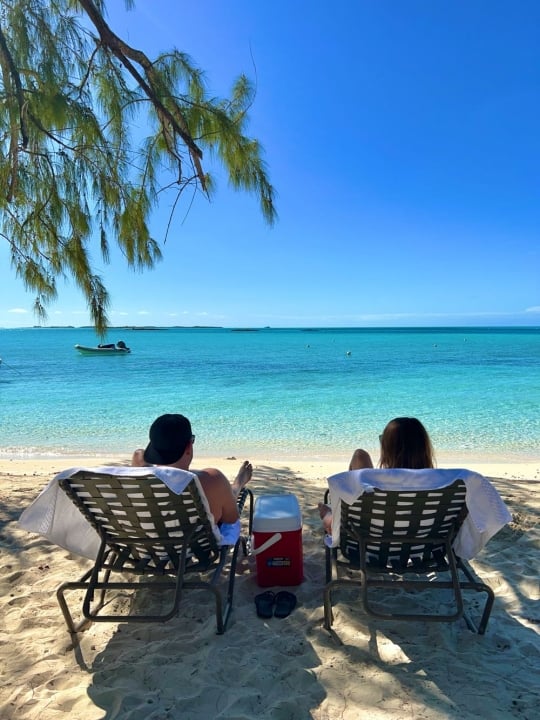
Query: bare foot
point(243, 477)
point(360, 460)
point(325, 511)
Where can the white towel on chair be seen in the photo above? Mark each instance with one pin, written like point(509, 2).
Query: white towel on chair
point(487, 511)
point(53, 515)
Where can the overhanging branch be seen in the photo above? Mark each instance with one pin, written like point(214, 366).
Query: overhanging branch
point(125, 53)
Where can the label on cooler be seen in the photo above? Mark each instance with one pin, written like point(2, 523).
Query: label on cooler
point(278, 562)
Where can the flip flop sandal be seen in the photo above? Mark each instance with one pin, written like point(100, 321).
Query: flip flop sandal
point(285, 602)
point(265, 604)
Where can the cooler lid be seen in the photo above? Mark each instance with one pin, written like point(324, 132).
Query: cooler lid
point(276, 513)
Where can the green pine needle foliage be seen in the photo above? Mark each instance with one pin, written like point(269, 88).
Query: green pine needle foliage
point(74, 179)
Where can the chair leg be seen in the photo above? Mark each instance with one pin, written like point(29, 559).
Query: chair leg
point(232, 578)
point(82, 584)
point(328, 614)
point(487, 607)
point(330, 560)
point(221, 615)
point(330, 557)
point(473, 584)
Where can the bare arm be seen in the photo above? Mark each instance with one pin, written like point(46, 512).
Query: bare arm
point(219, 494)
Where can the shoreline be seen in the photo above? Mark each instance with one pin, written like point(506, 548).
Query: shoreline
point(455, 457)
point(315, 468)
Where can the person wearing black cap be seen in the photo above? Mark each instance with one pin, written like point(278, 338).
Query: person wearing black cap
point(171, 443)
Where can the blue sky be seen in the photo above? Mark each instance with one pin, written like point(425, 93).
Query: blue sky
point(403, 139)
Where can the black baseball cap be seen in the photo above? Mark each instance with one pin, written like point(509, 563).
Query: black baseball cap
point(169, 437)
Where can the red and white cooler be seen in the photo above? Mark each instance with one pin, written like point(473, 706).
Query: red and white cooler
point(277, 540)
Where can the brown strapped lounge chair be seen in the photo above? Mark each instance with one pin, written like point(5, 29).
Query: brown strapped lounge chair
point(146, 529)
point(387, 535)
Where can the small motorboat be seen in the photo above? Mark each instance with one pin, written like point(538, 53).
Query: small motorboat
point(107, 349)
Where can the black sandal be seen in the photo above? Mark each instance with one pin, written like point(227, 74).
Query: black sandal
point(285, 603)
point(265, 604)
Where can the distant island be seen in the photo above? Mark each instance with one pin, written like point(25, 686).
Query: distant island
point(129, 327)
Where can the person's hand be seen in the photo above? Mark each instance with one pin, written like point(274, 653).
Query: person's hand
point(137, 459)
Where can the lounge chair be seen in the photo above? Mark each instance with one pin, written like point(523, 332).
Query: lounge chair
point(404, 539)
point(147, 529)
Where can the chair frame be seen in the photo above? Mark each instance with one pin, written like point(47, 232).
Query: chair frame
point(147, 530)
point(387, 535)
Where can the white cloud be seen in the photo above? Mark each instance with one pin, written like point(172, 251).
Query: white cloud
point(18, 311)
point(143, 312)
point(534, 309)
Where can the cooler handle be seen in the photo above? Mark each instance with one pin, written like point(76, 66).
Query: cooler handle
point(272, 540)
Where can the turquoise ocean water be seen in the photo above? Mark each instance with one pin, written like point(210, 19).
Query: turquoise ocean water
point(273, 393)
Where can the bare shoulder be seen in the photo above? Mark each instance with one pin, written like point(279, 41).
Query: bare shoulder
point(211, 471)
point(211, 475)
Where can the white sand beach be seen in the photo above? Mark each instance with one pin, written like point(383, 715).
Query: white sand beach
point(278, 668)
